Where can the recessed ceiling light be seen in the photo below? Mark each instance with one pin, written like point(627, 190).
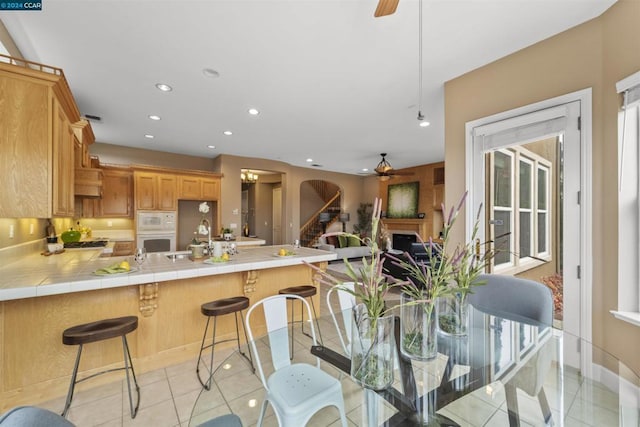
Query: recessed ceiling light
point(154, 117)
point(365, 170)
point(227, 132)
point(253, 111)
point(148, 136)
point(210, 72)
point(211, 146)
point(309, 160)
point(424, 124)
point(164, 87)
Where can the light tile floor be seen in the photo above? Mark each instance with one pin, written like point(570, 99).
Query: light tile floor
point(168, 396)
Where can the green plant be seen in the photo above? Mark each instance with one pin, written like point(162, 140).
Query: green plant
point(362, 227)
point(446, 272)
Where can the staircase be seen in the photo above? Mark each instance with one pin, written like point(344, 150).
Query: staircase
point(323, 217)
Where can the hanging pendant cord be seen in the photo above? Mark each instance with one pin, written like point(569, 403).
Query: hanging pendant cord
point(420, 60)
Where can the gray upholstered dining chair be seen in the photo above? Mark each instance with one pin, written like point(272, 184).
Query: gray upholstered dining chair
point(32, 416)
point(528, 302)
point(515, 299)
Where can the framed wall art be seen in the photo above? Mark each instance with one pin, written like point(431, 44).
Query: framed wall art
point(403, 200)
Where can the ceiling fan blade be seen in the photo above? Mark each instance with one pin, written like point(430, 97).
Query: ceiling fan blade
point(385, 7)
point(400, 173)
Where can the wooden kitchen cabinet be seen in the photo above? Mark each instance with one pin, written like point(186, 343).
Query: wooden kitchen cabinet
point(124, 248)
point(198, 188)
point(63, 158)
point(37, 164)
point(155, 191)
point(117, 195)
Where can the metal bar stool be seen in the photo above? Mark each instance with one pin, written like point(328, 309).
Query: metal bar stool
point(219, 308)
point(98, 331)
point(304, 291)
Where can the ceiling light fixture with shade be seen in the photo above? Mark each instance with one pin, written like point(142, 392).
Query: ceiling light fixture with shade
point(385, 171)
point(248, 177)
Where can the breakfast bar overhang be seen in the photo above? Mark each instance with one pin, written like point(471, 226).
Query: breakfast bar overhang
point(41, 296)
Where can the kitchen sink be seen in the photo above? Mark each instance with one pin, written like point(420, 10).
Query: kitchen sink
point(178, 256)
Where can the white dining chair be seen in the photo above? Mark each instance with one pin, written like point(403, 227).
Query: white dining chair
point(346, 302)
point(295, 391)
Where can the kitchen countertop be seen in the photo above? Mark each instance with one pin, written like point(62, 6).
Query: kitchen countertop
point(73, 271)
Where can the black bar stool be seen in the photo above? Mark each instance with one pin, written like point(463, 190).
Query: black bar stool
point(219, 308)
point(304, 291)
point(99, 331)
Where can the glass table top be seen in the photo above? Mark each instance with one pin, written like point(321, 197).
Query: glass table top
point(493, 376)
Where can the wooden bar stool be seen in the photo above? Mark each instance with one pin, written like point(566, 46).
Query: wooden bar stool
point(219, 308)
point(304, 291)
point(99, 331)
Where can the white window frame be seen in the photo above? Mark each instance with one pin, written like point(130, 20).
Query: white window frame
point(516, 264)
point(546, 254)
point(530, 210)
point(628, 308)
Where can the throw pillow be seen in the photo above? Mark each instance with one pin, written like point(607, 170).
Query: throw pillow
point(354, 241)
point(332, 240)
point(344, 241)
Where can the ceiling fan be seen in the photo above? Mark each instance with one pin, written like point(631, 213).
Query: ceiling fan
point(385, 7)
point(384, 170)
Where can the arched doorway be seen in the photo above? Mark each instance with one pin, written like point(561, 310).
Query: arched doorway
point(320, 207)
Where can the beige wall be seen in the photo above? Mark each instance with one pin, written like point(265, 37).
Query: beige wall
point(595, 54)
point(353, 189)
point(121, 155)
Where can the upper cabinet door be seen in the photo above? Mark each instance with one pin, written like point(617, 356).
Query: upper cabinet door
point(167, 193)
point(210, 189)
point(117, 189)
point(190, 187)
point(145, 190)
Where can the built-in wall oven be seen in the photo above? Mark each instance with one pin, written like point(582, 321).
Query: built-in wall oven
point(156, 230)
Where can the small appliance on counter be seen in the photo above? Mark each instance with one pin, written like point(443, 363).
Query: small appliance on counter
point(52, 236)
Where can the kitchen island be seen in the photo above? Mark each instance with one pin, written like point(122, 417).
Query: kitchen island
point(41, 296)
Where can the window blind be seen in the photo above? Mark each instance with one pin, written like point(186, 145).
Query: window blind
point(500, 134)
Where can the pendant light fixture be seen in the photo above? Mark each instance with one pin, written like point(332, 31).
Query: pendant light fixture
point(248, 177)
point(423, 123)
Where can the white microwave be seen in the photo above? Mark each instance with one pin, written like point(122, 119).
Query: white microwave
point(156, 222)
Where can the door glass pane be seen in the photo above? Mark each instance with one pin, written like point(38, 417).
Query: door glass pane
point(542, 189)
point(526, 337)
point(525, 234)
point(525, 185)
point(502, 235)
point(503, 345)
point(502, 178)
point(542, 232)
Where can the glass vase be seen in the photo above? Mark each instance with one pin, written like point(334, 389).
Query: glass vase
point(372, 349)
point(453, 314)
point(418, 332)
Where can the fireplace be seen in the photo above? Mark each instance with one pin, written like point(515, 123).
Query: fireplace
point(402, 241)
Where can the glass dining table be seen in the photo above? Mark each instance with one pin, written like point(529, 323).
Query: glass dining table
point(502, 373)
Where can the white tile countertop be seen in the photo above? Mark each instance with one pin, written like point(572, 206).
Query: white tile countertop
point(73, 271)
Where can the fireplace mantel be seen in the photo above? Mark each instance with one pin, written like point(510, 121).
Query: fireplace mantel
point(416, 225)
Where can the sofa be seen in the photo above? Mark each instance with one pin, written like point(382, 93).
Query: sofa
point(348, 248)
